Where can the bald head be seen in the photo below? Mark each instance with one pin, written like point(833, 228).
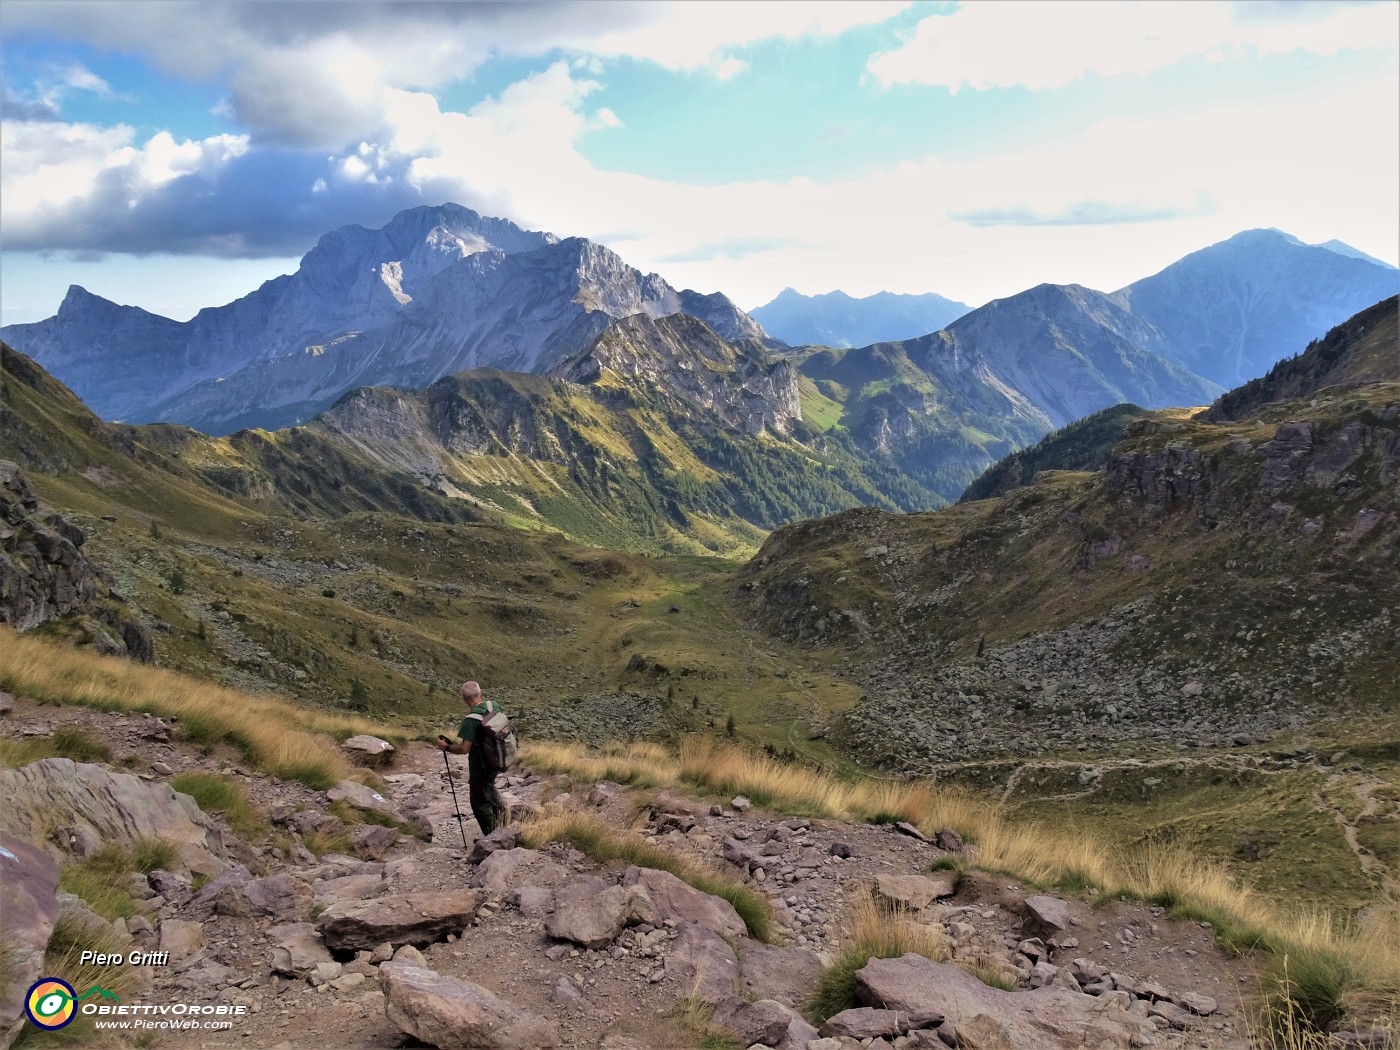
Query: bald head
point(470, 692)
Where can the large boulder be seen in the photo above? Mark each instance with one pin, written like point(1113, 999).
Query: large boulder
point(77, 808)
point(1049, 914)
point(29, 904)
point(417, 918)
point(1047, 1018)
point(673, 899)
point(450, 1013)
point(765, 1023)
point(369, 749)
point(702, 965)
point(506, 870)
point(592, 912)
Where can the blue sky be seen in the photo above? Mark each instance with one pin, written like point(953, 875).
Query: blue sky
point(173, 155)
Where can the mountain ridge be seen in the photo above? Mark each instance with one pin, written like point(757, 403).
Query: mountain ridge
point(839, 320)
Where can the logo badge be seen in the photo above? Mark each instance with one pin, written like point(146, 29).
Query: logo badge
point(50, 1003)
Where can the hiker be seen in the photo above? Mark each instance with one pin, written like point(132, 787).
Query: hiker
point(487, 807)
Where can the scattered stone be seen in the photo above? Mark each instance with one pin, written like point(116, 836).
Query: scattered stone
point(411, 956)
point(740, 804)
point(1201, 1005)
point(844, 850)
point(450, 1013)
point(905, 828)
point(1051, 913)
point(950, 840)
point(504, 838)
point(363, 798)
point(162, 769)
point(1172, 1014)
point(7, 702)
point(370, 841)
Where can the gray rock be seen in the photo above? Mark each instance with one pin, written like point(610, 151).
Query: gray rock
point(866, 1022)
point(323, 973)
point(29, 904)
point(417, 919)
point(162, 768)
point(1051, 1017)
point(590, 912)
point(914, 892)
point(702, 965)
point(507, 837)
point(905, 828)
point(534, 902)
point(453, 1014)
point(1050, 913)
point(565, 991)
point(410, 956)
point(7, 703)
point(371, 748)
point(1171, 1013)
point(100, 808)
point(766, 1022)
point(673, 899)
point(740, 804)
point(181, 938)
point(1201, 1005)
point(363, 798)
point(371, 841)
point(784, 973)
point(512, 869)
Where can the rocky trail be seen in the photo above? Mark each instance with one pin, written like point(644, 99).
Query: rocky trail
point(404, 940)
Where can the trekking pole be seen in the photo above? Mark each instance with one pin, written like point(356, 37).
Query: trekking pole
point(460, 825)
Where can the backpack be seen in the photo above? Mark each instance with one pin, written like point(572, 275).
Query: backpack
point(499, 745)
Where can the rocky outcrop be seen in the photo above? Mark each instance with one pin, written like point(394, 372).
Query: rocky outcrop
point(455, 1014)
point(44, 576)
point(76, 808)
point(928, 994)
point(29, 903)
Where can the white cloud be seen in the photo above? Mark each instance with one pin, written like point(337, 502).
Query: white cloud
point(607, 118)
point(1043, 45)
point(730, 67)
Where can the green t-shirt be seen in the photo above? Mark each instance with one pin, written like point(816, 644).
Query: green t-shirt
point(468, 729)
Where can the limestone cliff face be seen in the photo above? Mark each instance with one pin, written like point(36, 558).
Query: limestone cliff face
point(436, 291)
point(44, 576)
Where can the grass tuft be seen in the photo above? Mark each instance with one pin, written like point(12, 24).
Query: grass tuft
point(875, 932)
point(62, 959)
point(103, 878)
point(224, 796)
point(591, 835)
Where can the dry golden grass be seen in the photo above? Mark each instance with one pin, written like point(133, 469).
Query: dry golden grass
point(1336, 968)
point(274, 735)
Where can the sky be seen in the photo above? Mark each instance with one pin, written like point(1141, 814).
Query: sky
point(173, 155)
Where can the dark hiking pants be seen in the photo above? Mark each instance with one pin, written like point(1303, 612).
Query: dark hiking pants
point(487, 807)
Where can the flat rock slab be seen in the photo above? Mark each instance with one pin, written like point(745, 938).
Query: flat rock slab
point(368, 746)
point(363, 798)
point(29, 904)
point(99, 808)
point(766, 1023)
point(418, 919)
point(915, 892)
point(673, 899)
point(866, 1022)
point(702, 965)
point(1043, 1019)
point(785, 973)
point(453, 1014)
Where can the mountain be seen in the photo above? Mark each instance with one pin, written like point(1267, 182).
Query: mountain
point(1365, 349)
point(435, 291)
point(1213, 582)
point(1229, 311)
point(1083, 445)
point(839, 320)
